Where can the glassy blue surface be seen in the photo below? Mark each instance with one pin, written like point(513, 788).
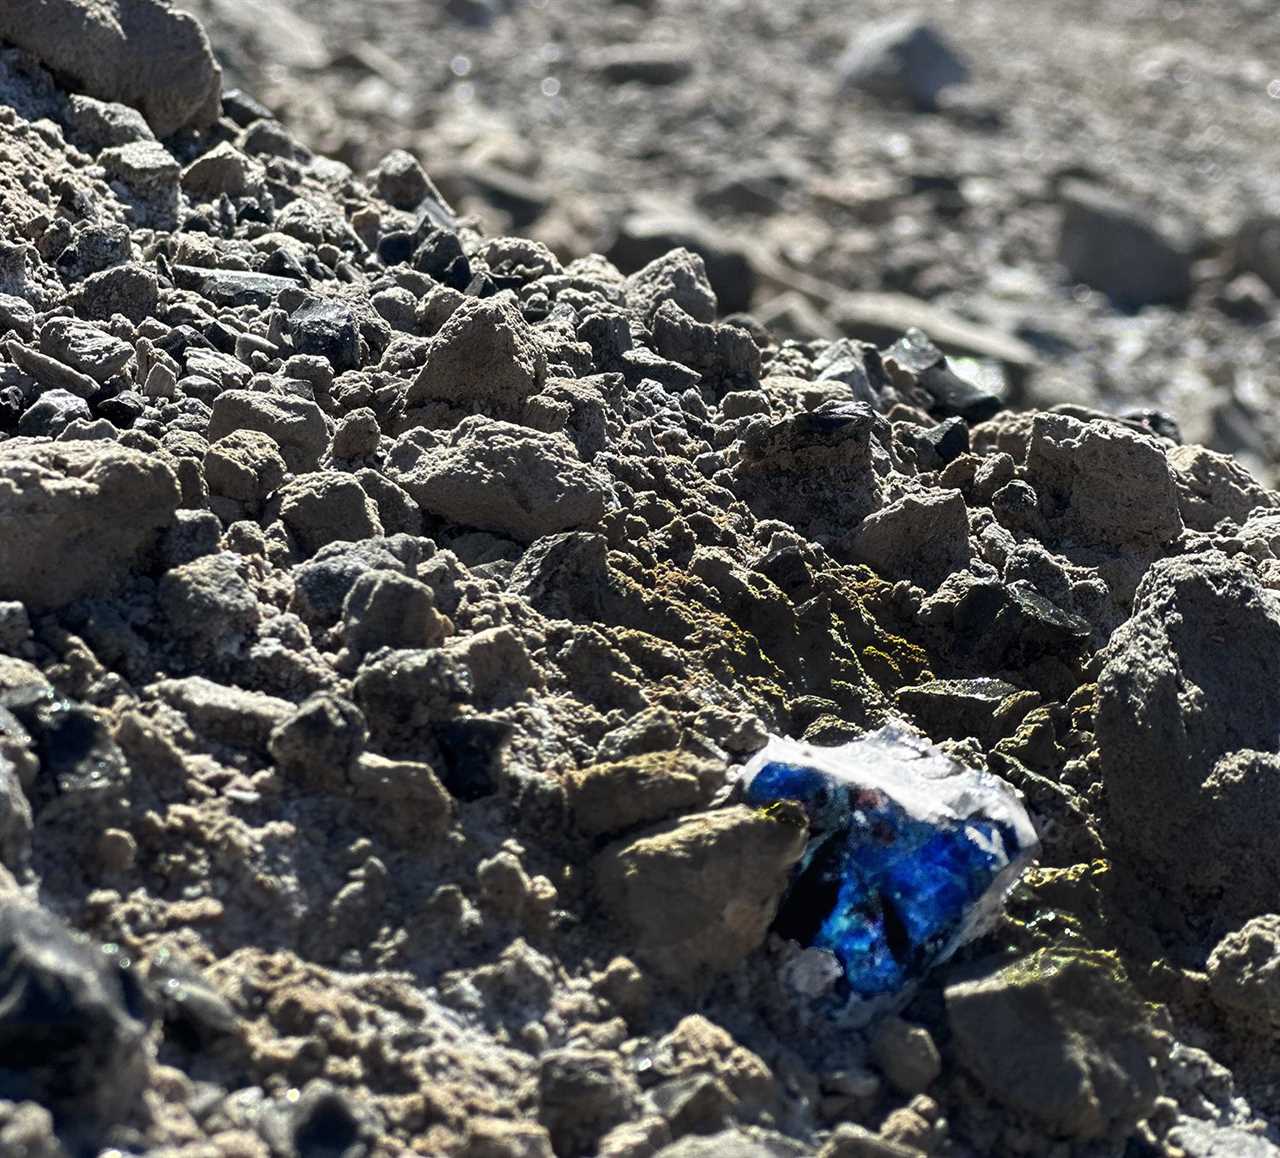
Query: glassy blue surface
point(884, 891)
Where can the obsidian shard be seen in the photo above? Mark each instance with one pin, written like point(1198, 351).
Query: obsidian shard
point(910, 853)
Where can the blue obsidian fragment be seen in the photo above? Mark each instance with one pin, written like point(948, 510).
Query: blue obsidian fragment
point(910, 854)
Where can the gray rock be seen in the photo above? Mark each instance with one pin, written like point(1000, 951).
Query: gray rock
point(357, 434)
point(243, 467)
point(327, 328)
point(499, 477)
point(222, 170)
point(94, 247)
point(131, 290)
point(325, 506)
point(1114, 247)
point(51, 414)
point(401, 181)
point(318, 745)
point(905, 1054)
point(730, 1144)
point(71, 1026)
point(209, 600)
point(397, 512)
point(679, 276)
point(901, 59)
point(922, 537)
point(17, 315)
point(384, 609)
point(15, 820)
point(655, 64)
point(485, 354)
point(1201, 1139)
point(850, 1141)
point(728, 867)
point(581, 1094)
point(1060, 1038)
point(819, 471)
point(985, 708)
point(51, 373)
point(224, 714)
point(1244, 974)
point(646, 244)
point(611, 797)
point(139, 52)
point(715, 351)
point(295, 424)
point(77, 516)
point(321, 584)
point(1102, 484)
point(194, 535)
point(1187, 703)
point(84, 347)
point(96, 124)
point(232, 287)
point(401, 692)
point(146, 166)
point(1213, 486)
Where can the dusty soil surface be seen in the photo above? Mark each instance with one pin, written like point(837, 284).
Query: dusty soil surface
point(400, 552)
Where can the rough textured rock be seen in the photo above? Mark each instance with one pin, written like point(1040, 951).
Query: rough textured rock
point(921, 537)
point(485, 354)
point(612, 797)
point(820, 471)
point(680, 277)
point(1212, 487)
point(697, 894)
point(325, 506)
point(296, 424)
point(1187, 701)
point(505, 478)
point(138, 52)
point(1101, 484)
point(1059, 1038)
point(905, 1054)
point(1244, 974)
point(77, 516)
point(581, 1094)
point(243, 467)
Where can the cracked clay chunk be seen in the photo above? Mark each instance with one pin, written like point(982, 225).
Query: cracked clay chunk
point(1187, 706)
point(138, 52)
point(504, 478)
point(76, 516)
point(699, 893)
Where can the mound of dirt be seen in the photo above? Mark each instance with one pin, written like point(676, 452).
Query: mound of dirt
point(386, 605)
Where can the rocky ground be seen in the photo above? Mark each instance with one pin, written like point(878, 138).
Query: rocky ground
point(628, 127)
point(390, 585)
